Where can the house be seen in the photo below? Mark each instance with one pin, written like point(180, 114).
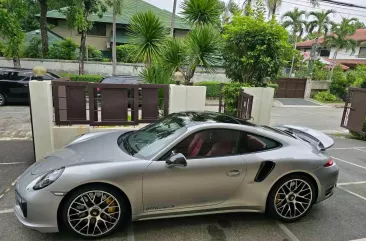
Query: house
point(344, 57)
point(52, 37)
point(100, 36)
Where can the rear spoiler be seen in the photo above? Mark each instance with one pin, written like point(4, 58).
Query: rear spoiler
point(314, 137)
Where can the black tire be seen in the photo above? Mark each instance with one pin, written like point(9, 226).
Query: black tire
point(2, 99)
point(123, 217)
point(302, 201)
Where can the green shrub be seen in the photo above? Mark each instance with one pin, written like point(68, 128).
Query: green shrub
point(125, 53)
point(212, 88)
point(319, 73)
point(34, 49)
point(83, 78)
point(325, 96)
point(156, 74)
point(65, 49)
point(231, 93)
point(363, 85)
point(106, 60)
point(94, 53)
point(273, 85)
point(339, 85)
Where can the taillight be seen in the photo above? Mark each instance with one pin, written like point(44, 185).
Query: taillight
point(98, 89)
point(329, 163)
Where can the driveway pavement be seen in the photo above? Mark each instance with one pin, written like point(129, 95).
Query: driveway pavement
point(340, 218)
point(15, 122)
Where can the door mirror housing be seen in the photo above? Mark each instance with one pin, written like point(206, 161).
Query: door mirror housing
point(176, 160)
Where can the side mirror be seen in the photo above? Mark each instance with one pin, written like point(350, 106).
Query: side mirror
point(176, 160)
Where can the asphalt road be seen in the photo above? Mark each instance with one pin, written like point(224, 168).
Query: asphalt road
point(15, 122)
point(340, 218)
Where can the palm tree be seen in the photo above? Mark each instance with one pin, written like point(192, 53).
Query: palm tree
point(273, 6)
point(339, 39)
point(201, 12)
point(294, 20)
point(117, 10)
point(203, 49)
point(322, 25)
point(148, 33)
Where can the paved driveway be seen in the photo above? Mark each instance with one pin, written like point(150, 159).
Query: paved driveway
point(15, 122)
point(340, 218)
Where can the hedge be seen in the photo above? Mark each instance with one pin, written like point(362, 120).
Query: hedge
point(83, 78)
point(212, 88)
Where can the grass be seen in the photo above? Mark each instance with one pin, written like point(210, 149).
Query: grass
point(329, 102)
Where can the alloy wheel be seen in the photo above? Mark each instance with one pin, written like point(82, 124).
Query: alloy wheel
point(2, 99)
point(94, 213)
point(293, 198)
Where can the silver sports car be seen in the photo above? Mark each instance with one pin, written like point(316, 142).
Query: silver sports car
point(188, 163)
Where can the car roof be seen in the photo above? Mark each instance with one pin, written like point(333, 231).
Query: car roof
point(23, 71)
point(190, 118)
point(122, 79)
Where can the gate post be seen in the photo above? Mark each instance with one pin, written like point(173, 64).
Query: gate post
point(42, 117)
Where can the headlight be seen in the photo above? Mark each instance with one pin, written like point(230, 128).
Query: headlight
point(48, 178)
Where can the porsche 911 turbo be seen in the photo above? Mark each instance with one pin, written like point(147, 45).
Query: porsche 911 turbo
point(189, 163)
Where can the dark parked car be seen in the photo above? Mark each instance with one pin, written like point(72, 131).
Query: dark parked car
point(14, 84)
point(124, 79)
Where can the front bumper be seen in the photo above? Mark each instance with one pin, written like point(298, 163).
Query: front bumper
point(36, 209)
point(327, 177)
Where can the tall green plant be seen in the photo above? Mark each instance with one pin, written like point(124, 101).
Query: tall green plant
point(339, 39)
point(294, 20)
point(201, 12)
point(34, 49)
point(254, 49)
point(321, 23)
point(148, 33)
point(78, 14)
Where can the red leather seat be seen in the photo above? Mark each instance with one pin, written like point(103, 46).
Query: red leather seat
point(195, 145)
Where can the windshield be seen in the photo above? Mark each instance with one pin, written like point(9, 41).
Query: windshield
point(148, 141)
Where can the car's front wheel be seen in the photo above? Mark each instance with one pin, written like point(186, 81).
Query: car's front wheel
point(94, 211)
point(291, 197)
point(2, 99)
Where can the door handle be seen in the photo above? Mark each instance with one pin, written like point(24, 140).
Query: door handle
point(233, 173)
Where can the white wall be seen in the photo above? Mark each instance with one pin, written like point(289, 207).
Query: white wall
point(186, 98)
point(262, 104)
point(105, 69)
point(342, 54)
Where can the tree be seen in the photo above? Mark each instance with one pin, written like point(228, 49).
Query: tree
point(10, 28)
point(230, 8)
point(254, 49)
point(201, 12)
point(117, 10)
point(77, 15)
point(322, 24)
point(273, 6)
point(294, 20)
point(339, 39)
point(173, 18)
point(43, 24)
point(148, 33)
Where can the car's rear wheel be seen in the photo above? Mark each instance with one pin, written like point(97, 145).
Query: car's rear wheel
point(94, 211)
point(2, 99)
point(291, 197)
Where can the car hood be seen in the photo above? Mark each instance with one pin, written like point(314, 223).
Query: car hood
point(89, 148)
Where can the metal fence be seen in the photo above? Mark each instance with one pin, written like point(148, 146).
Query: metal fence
point(354, 114)
point(98, 104)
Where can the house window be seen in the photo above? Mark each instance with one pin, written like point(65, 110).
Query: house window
point(362, 53)
point(98, 29)
point(324, 53)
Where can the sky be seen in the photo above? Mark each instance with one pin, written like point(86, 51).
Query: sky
point(289, 5)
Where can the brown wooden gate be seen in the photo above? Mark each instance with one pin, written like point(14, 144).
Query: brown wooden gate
point(245, 103)
point(109, 104)
point(290, 88)
point(354, 114)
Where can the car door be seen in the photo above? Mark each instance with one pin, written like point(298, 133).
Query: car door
point(212, 174)
point(19, 86)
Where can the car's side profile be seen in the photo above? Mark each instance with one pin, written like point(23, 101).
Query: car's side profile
point(187, 164)
point(14, 84)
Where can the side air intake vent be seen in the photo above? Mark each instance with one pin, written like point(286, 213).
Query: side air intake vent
point(264, 170)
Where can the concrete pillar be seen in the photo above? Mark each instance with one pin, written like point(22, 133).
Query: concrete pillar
point(262, 104)
point(42, 117)
point(186, 98)
point(308, 88)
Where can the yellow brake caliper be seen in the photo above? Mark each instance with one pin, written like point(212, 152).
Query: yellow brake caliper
point(111, 209)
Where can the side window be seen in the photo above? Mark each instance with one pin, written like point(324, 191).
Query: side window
point(209, 143)
point(250, 143)
point(18, 76)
